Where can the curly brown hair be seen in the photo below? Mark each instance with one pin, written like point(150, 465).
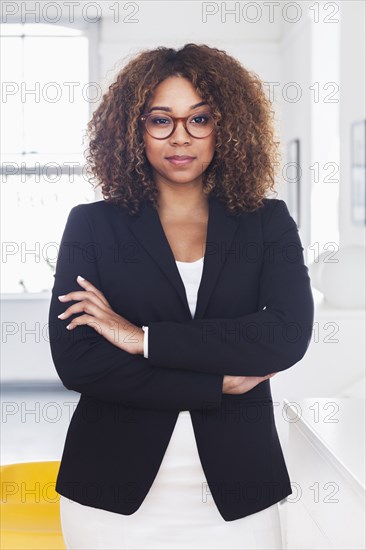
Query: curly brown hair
point(246, 156)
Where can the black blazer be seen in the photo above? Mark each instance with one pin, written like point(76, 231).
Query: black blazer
point(254, 316)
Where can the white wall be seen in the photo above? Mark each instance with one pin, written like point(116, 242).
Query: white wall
point(296, 120)
point(352, 108)
point(323, 171)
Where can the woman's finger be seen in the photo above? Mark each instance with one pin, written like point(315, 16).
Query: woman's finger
point(86, 320)
point(86, 305)
point(89, 287)
point(83, 295)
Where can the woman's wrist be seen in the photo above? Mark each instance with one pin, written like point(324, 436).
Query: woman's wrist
point(145, 341)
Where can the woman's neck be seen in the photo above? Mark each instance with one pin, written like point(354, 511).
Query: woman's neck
point(182, 206)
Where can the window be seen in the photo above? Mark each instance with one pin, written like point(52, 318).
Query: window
point(46, 103)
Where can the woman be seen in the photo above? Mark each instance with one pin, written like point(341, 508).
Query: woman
point(194, 293)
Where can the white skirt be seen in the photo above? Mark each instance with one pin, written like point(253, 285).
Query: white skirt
point(177, 513)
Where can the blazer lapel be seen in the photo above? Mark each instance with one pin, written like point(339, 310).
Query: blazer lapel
point(221, 229)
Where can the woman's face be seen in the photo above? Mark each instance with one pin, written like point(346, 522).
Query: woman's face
point(175, 96)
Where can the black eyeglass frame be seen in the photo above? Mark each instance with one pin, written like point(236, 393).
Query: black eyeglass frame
point(144, 117)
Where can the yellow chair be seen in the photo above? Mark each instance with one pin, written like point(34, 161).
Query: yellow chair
point(30, 507)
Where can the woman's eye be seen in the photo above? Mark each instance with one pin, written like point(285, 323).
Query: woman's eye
point(200, 119)
point(160, 121)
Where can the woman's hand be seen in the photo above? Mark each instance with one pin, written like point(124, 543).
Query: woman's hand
point(241, 384)
point(100, 316)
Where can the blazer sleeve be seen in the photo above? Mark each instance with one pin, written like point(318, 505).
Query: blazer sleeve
point(270, 340)
point(89, 364)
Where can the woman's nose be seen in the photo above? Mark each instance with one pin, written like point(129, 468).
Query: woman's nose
point(180, 133)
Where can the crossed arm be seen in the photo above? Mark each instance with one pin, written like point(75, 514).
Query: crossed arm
point(89, 364)
point(271, 339)
point(190, 359)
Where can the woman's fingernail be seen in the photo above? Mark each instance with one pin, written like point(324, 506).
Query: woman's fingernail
point(61, 297)
point(80, 278)
point(61, 315)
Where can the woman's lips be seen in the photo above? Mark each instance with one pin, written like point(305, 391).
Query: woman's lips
point(180, 161)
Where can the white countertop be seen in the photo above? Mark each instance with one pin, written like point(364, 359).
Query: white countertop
point(338, 426)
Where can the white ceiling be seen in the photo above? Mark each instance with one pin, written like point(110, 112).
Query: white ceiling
point(151, 21)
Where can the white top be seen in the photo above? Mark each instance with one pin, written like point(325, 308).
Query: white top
point(191, 273)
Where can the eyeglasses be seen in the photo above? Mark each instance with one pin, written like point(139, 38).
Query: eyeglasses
point(163, 126)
